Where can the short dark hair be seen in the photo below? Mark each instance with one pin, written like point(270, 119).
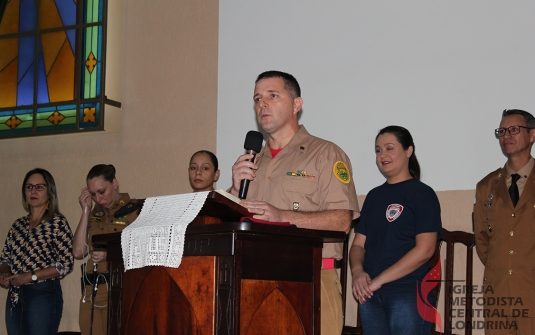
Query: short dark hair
point(53, 203)
point(106, 171)
point(290, 83)
point(210, 154)
point(404, 137)
point(530, 120)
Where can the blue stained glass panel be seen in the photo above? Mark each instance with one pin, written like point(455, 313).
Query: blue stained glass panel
point(46, 109)
point(71, 35)
point(28, 15)
point(6, 113)
point(42, 88)
point(26, 54)
point(25, 88)
point(67, 11)
point(23, 111)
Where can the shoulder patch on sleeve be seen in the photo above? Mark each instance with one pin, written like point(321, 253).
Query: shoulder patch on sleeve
point(341, 172)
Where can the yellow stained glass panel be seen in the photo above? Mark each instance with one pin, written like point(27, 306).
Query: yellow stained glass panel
point(8, 85)
point(10, 21)
point(61, 76)
point(49, 16)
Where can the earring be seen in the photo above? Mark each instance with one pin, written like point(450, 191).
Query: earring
point(26, 206)
point(47, 204)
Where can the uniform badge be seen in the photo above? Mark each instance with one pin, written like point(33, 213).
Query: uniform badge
point(300, 173)
point(393, 211)
point(341, 172)
point(119, 222)
point(489, 199)
point(99, 213)
point(94, 218)
point(295, 206)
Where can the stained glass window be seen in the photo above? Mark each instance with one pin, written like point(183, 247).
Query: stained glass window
point(51, 66)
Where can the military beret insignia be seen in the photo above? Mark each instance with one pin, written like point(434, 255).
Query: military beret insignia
point(341, 172)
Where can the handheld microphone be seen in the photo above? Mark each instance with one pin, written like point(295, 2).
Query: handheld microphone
point(252, 145)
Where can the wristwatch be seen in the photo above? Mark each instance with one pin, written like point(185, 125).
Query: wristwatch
point(34, 276)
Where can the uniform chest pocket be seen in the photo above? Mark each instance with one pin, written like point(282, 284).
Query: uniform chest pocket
point(301, 185)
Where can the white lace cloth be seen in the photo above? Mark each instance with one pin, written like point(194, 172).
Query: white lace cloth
point(156, 237)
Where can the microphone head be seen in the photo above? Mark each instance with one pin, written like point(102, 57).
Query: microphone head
point(253, 141)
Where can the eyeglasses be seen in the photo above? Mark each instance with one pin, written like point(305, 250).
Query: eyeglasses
point(513, 130)
point(38, 187)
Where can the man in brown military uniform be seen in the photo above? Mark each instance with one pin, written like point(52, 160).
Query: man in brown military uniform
point(299, 178)
point(504, 228)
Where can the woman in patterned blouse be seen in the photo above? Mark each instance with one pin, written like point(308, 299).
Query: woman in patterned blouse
point(36, 255)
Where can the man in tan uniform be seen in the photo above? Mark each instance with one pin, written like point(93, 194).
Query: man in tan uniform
point(504, 228)
point(299, 178)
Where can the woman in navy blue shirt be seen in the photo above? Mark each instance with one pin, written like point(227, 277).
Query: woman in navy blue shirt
point(395, 238)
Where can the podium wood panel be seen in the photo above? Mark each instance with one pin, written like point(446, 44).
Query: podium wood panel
point(269, 307)
point(235, 278)
point(169, 300)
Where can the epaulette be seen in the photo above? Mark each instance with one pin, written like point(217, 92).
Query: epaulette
point(126, 209)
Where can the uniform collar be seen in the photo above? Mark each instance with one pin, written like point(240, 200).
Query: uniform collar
point(523, 172)
point(123, 200)
point(298, 142)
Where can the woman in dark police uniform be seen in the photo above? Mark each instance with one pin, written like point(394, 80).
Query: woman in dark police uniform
point(112, 212)
point(36, 255)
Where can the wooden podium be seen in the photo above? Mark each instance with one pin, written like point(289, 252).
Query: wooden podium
point(235, 278)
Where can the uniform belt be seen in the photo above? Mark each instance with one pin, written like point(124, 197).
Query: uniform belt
point(331, 263)
point(89, 278)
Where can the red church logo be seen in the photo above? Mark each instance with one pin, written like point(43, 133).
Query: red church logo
point(426, 310)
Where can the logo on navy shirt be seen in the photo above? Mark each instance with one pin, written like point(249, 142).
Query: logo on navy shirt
point(393, 211)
